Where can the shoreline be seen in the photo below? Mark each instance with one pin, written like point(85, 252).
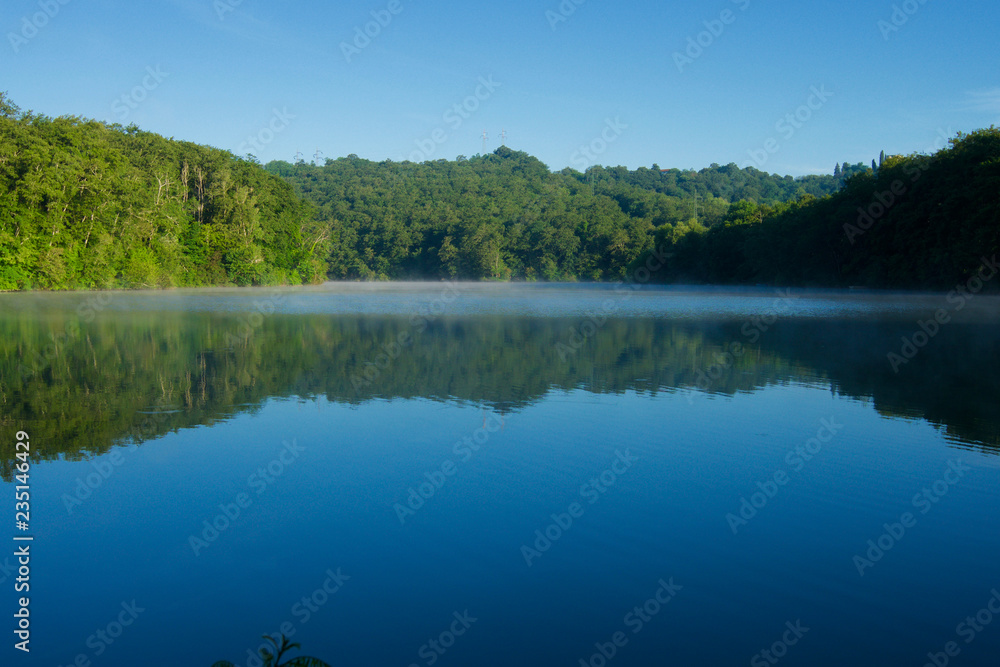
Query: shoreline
point(375, 286)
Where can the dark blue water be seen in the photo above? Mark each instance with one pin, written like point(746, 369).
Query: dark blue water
point(693, 478)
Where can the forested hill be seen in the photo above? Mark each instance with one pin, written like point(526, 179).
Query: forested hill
point(920, 222)
point(86, 205)
point(505, 215)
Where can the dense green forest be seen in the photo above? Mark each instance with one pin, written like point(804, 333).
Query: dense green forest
point(85, 204)
point(505, 215)
point(917, 221)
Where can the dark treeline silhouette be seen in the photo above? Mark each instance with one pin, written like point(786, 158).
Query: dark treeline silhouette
point(917, 221)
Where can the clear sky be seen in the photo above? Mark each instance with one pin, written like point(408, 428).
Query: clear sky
point(629, 81)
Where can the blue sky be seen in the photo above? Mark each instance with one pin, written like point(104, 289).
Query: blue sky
point(600, 76)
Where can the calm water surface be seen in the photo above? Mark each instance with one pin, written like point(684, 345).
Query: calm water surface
point(469, 474)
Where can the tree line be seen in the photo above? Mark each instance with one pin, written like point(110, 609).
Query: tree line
point(916, 221)
point(86, 204)
point(505, 215)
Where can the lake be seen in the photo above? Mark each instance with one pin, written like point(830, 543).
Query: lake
point(489, 474)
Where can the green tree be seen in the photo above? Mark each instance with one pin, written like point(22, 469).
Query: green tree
point(274, 659)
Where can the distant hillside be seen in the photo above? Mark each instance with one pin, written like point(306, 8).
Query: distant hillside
point(85, 205)
point(917, 222)
point(505, 215)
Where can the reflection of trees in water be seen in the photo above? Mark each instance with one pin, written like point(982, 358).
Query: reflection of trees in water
point(131, 377)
